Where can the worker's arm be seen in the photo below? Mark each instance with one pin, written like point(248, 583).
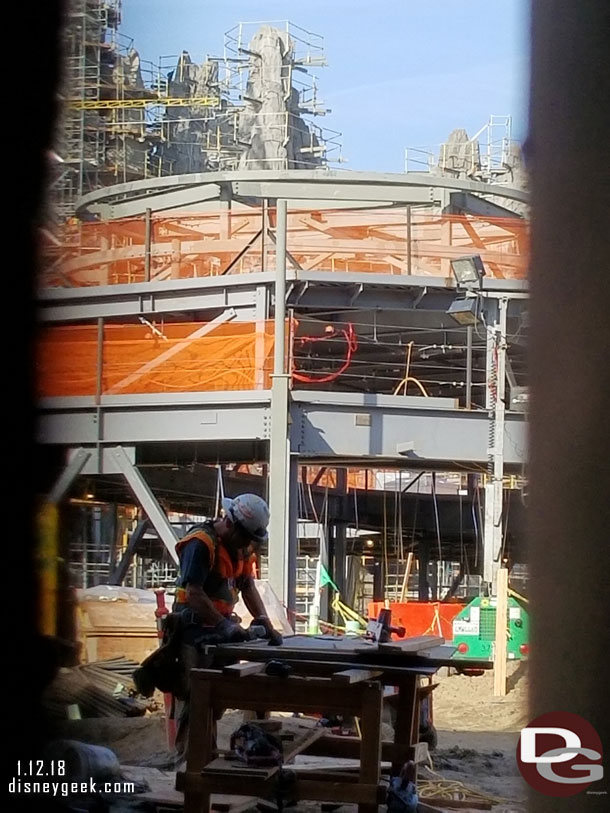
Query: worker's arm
point(199, 602)
point(195, 567)
point(209, 615)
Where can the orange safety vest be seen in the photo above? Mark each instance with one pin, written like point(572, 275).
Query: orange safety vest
point(225, 576)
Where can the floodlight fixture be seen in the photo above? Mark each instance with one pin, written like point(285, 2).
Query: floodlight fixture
point(464, 311)
point(468, 270)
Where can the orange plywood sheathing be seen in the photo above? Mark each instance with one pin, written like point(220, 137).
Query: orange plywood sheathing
point(356, 478)
point(233, 357)
point(212, 244)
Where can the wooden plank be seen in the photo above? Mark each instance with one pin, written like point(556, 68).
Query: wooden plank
point(456, 804)
point(407, 645)
point(234, 768)
point(226, 803)
point(220, 783)
point(302, 745)
point(331, 745)
point(424, 807)
point(355, 675)
point(328, 776)
point(345, 652)
point(500, 653)
point(315, 790)
point(285, 694)
point(244, 669)
point(327, 667)
point(320, 790)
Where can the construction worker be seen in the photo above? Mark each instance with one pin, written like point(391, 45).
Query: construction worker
point(216, 563)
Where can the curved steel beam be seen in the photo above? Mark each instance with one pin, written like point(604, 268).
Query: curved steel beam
point(329, 185)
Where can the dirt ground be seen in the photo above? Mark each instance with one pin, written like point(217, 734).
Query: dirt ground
point(477, 736)
point(478, 733)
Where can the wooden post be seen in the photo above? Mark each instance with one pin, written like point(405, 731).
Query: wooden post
point(501, 624)
point(405, 580)
point(200, 743)
point(370, 746)
point(407, 719)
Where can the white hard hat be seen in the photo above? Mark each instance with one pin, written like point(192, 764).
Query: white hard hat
point(251, 512)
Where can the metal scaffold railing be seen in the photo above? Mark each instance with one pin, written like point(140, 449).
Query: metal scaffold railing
point(490, 155)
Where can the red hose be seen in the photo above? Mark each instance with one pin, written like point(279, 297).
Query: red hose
point(352, 346)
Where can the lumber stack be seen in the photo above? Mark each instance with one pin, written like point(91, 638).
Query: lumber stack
point(101, 689)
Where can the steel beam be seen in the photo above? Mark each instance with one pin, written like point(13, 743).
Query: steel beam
point(315, 289)
point(67, 477)
point(279, 451)
point(324, 425)
point(141, 299)
point(496, 393)
point(327, 425)
point(159, 399)
point(148, 501)
point(118, 574)
point(467, 203)
point(161, 202)
point(142, 425)
point(331, 185)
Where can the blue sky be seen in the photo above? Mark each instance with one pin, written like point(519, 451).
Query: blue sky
point(400, 73)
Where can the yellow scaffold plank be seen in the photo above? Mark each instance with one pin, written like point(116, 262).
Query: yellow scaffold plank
point(122, 104)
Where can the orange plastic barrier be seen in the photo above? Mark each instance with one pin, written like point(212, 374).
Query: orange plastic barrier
point(170, 358)
point(421, 617)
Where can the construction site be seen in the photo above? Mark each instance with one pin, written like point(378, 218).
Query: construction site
point(224, 309)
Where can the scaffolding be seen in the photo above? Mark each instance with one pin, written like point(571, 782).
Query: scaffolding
point(125, 119)
point(108, 99)
point(488, 156)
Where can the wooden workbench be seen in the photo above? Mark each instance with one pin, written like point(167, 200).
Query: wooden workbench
point(342, 675)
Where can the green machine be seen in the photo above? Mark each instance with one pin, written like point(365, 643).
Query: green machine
point(474, 630)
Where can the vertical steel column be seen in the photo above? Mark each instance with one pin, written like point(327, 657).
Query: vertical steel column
point(264, 227)
point(496, 392)
point(99, 415)
point(469, 367)
point(292, 535)
point(409, 270)
point(99, 361)
point(281, 561)
point(423, 562)
point(225, 212)
point(340, 534)
point(147, 240)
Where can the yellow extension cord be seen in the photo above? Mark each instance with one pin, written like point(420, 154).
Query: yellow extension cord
point(451, 789)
